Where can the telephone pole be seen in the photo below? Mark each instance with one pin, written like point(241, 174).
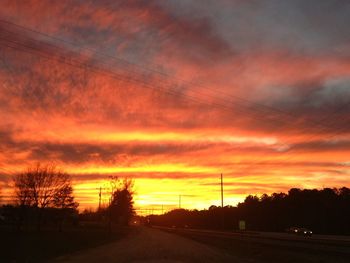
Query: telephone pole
point(100, 196)
point(179, 201)
point(99, 199)
point(222, 192)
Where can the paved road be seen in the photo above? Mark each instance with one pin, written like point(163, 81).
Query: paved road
point(331, 241)
point(272, 247)
point(150, 245)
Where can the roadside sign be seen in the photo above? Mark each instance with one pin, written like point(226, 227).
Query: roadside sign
point(241, 225)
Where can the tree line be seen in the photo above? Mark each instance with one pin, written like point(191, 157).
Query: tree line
point(44, 197)
point(325, 211)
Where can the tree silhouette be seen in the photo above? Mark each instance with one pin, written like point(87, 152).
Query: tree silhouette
point(64, 198)
point(121, 206)
point(42, 186)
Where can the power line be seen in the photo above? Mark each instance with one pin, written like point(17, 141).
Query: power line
point(145, 84)
point(128, 63)
point(98, 70)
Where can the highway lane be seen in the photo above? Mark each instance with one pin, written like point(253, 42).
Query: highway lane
point(314, 237)
point(332, 248)
point(320, 239)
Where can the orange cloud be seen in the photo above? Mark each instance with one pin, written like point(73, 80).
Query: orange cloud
point(146, 91)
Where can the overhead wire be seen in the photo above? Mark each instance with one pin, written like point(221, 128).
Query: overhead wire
point(188, 96)
point(98, 70)
point(152, 70)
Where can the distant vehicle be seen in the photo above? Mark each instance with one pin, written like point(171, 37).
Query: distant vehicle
point(299, 231)
point(305, 232)
point(292, 230)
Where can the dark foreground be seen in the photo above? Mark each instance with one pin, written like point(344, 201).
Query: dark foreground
point(32, 246)
point(141, 244)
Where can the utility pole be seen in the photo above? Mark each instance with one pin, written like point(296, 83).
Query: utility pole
point(222, 192)
point(179, 201)
point(100, 196)
point(110, 215)
point(99, 199)
point(162, 209)
point(222, 202)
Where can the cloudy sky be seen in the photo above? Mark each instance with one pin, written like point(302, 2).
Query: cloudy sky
point(173, 93)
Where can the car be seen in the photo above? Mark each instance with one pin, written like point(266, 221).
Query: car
point(292, 230)
point(299, 231)
point(304, 232)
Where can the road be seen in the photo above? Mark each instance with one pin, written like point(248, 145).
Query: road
point(273, 247)
point(326, 240)
point(190, 245)
point(150, 245)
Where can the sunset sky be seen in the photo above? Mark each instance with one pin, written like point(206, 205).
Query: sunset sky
point(173, 93)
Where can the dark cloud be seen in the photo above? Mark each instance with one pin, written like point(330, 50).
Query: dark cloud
point(309, 27)
point(327, 94)
point(320, 107)
point(99, 152)
point(234, 188)
point(142, 175)
point(144, 26)
point(322, 146)
point(132, 151)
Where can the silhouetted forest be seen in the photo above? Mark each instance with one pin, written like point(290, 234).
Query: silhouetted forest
point(325, 211)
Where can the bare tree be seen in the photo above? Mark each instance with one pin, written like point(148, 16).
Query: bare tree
point(22, 190)
point(64, 198)
point(42, 186)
